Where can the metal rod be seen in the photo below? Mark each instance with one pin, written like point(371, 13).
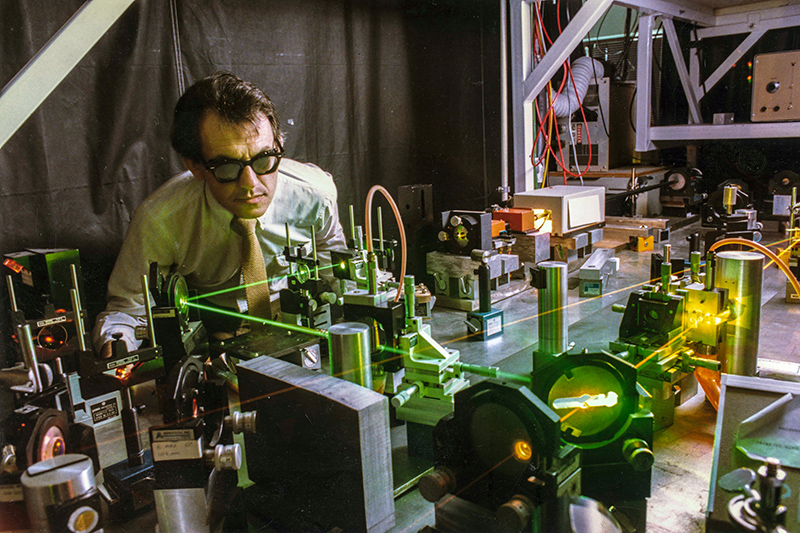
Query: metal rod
point(78, 317)
point(666, 270)
point(130, 426)
point(353, 227)
point(12, 296)
point(504, 133)
point(29, 355)
point(710, 262)
point(642, 189)
point(288, 238)
point(314, 252)
point(380, 229)
point(729, 198)
point(73, 272)
point(151, 329)
point(400, 399)
point(372, 273)
point(493, 372)
point(358, 241)
point(694, 266)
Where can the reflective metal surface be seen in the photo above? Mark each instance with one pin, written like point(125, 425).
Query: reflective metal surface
point(181, 510)
point(54, 482)
point(553, 321)
point(742, 274)
point(351, 353)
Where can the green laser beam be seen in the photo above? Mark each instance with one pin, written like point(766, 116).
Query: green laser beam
point(239, 287)
point(231, 289)
point(291, 327)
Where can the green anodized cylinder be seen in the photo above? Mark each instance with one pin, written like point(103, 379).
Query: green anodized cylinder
point(408, 291)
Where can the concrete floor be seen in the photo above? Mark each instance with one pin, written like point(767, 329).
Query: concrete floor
point(683, 451)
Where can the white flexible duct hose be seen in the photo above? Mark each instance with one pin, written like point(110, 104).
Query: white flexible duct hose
point(583, 71)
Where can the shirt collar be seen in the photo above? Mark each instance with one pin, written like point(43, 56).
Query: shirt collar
point(219, 213)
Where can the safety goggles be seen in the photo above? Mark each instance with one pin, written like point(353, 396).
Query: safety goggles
point(228, 170)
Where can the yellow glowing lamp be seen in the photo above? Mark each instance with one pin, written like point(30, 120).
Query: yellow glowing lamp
point(522, 451)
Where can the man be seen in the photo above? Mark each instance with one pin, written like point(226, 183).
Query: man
point(228, 135)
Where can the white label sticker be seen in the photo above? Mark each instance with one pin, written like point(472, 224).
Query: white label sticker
point(177, 450)
point(51, 321)
point(122, 362)
point(172, 435)
point(494, 325)
point(11, 493)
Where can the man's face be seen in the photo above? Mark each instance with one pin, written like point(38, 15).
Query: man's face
point(250, 195)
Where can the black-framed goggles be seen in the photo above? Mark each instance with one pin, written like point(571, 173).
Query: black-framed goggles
point(228, 170)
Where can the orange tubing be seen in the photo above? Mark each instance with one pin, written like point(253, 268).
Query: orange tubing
point(709, 381)
point(764, 250)
point(368, 224)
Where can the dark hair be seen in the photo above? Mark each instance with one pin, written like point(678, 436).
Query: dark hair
point(231, 97)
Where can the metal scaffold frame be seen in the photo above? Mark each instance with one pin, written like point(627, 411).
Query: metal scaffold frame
point(752, 20)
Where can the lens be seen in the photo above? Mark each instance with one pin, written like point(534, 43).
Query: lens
point(52, 444)
point(52, 337)
point(265, 164)
point(227, 172)
point(587, 400)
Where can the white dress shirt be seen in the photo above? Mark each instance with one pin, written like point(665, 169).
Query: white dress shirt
point(182, 227)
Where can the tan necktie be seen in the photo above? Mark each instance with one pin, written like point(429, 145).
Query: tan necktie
point(253, 269)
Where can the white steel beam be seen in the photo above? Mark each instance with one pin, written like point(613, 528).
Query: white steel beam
point(583, 21)
point(48, 68)
point(746, 27)
point(700, 132)
point(745, 21)
point(644, 77)
point(677, 9)
point(683, 73)
point(729, 62)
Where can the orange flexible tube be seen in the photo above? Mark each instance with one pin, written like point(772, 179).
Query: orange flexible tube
point(786, 251)
point(766, 251)
point(709, 380)
point(368, 224)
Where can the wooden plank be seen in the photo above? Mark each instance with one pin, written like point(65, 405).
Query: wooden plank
point(659, 223)
point(624, 234)
point(570, 243)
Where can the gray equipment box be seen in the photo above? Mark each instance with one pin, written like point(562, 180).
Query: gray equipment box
point(571, 206)
point(594, 274)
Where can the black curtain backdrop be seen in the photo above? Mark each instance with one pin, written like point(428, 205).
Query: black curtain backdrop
point(390, 92)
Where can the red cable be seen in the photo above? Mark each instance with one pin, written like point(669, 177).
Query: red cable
point(543, 120)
